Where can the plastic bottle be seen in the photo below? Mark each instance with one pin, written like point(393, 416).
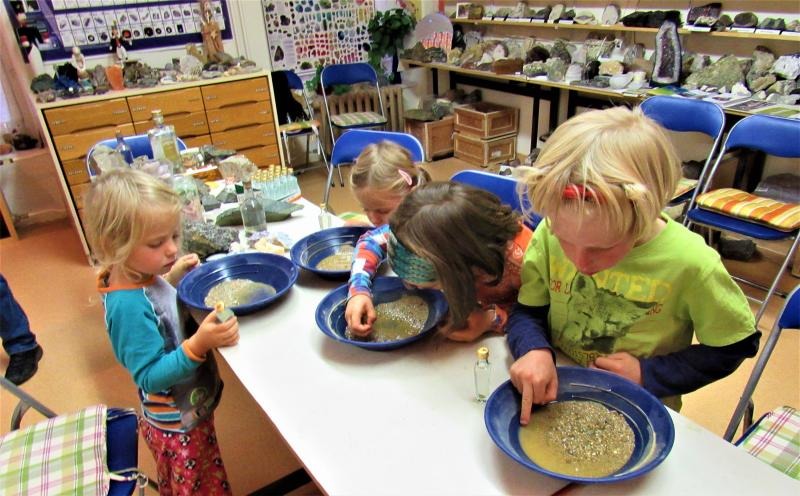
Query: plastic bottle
point(164, 142)
point(123, 149)
point(483, 372)
point(253, 217)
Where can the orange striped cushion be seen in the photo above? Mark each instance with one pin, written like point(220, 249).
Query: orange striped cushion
point(736, 203)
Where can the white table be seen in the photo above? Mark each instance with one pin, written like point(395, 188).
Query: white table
point(405, 421)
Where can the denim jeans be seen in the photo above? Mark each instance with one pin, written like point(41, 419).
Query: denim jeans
point(15, 331)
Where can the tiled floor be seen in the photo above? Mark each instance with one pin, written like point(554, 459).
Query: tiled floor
point(52, 280)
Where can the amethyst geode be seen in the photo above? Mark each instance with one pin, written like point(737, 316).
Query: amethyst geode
point(667, 66)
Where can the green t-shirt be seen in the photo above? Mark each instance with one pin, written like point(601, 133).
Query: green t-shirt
point(648, 304)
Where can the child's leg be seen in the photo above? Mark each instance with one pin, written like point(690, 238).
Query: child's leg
point(188, 463)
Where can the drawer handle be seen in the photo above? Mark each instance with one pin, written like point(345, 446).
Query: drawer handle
point(214, 121)
point(59, 121)
point(67, 147)
point(139, 109)
point(198, 124)
point(261, 90)
point(220, 143)
point(211, 97)
point(119, 112)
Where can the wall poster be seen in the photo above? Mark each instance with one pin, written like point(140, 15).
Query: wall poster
point(304, 33)
point(87, 23)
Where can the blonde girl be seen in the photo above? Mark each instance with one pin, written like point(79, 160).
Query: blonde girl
point(452, 237)
point(133, 224)
point(382, 175)
point(610, 280)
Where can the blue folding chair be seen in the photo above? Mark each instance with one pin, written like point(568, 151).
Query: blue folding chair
point(122, 443)
point(788, 318)
point(350, 74)
point(349, 146)
point(686, 115)
point(302, 128)
point(504, 187)
point(774, 136)
point(140, 146)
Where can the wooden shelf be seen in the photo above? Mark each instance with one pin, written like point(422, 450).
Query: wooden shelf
point(624, 29)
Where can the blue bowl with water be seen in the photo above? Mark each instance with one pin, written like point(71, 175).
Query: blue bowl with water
point(330, 312)
point(652, 425)
point(274, 270)
point(311, 250)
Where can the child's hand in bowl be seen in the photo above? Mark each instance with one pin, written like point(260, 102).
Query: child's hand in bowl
point(360, 315)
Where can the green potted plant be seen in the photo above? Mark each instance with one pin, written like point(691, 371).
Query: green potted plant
point(387, 30)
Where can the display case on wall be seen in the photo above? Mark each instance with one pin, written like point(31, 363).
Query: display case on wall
point(87, 24)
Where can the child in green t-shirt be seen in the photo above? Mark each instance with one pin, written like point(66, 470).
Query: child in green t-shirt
point(611, 281)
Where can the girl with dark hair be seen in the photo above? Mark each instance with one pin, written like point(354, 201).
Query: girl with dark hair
point(452, 237)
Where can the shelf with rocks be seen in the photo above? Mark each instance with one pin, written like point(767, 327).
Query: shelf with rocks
point(621, 28)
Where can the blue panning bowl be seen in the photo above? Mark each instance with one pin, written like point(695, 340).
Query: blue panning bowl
point(275, 270)
point(652, 426)
point(312, 249)
point(330, 311)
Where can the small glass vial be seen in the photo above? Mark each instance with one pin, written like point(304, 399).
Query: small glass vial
point(482, 372)
point(325, 220)
point(253, 217)
point(123, 149)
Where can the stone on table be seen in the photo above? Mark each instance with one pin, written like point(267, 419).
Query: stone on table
point(610, 15)
point(709, 10)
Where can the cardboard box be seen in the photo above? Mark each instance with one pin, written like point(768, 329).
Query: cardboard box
point(485, 152)
point(486, 120)
point(436, 136)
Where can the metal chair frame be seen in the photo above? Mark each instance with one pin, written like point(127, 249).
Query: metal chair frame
point(348, 147)
point(686, 115)
point(774, 136)
point(139, 143)
point(788, 318)
point(506, 188)
point(338, 74)
point(295, 83)
point(121, 435)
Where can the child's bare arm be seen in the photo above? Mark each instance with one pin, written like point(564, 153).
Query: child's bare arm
point(183, 265)
point(213, 334)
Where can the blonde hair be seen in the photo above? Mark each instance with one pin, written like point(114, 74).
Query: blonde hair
point(122, 207)
point(618, 162)
point(387, 166)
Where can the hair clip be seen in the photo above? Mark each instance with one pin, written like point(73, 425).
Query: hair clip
point(581, 192)
point(406, 177)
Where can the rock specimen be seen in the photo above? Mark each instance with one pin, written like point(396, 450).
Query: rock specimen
point(745, 20)
point(724, 72)
point(708, 10)
point(667, 66)
point(787, 66)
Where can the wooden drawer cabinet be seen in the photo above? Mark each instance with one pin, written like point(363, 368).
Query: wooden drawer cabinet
point(87, 116)
point(230, 114)
point(223, 95)
point(246, 137)
point(197, 141)
point(78, 193)
point(75, 171)
point(169, 102)
point(186, 125)
point(262, 156)
point(235, 116)
point(76, 145)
